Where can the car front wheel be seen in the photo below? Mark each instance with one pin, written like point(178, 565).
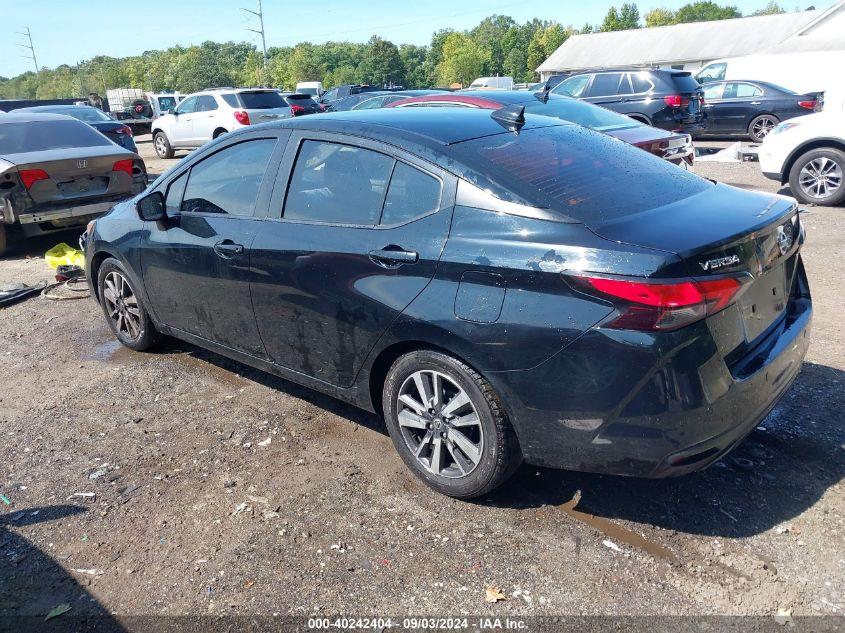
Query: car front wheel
point(448, 425)
point(816, 177)
point(125, 312)
point(760, 126)
point(162, 145)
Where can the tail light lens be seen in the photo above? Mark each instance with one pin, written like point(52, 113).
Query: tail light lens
point(810, 105)
point(124, 166)
point(296, 110)
point(126, 130)
point(323, 107)
point(242, 117)
point(31, 176)
point(648, 306)
point(676, 101)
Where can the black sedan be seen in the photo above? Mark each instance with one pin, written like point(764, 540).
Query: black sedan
point(380, 99)
point(115, 131)
point(499, 286)
point(751, 108)
point(57, 173)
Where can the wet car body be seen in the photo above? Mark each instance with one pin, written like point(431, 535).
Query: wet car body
point(516, 273)
point(115, 131)
point(675, 147)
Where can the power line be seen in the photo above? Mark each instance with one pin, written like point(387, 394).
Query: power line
point(260, 15)
point(29, 47)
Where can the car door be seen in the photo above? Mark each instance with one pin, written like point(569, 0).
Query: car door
point(574, 87)
point(353, 238)
point(740, 102)
point(605, 90)
point(205, 119)
point(182, 128)
point(195, 263)
point(712, 100)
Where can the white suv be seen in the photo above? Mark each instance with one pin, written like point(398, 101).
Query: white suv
point(205, 115)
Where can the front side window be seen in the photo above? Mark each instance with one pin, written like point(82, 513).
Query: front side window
point(187, 106)
point(411, 195)
point(227, 182)
point(572, 87)
point(338, 184)
point(175, 193)
point(369, 104)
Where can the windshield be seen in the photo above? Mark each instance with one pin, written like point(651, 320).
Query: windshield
point(263, 100)
point(581, 174)
point(582, 113)
point(38, 136)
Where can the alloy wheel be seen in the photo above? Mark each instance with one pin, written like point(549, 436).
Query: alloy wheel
point(122, 305)
point(820, 178)
point(440, 424)
point(762, 127)
point(161, 149)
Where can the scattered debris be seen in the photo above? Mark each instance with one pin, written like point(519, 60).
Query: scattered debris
point(88, 496)
point(494, 594)
point(269, 514)
point(90, 572)
point(262, 500)
point(265, 442)
point(784, 617)
point(57, 611)
point(248, 584)
point(728, 514)
point(611, 545)
point(5, 499)
point(242, 507)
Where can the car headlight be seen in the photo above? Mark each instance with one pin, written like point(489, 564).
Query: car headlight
point(783, 127)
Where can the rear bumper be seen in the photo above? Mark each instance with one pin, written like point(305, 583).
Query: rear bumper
point(645, 405)
point(66, 216)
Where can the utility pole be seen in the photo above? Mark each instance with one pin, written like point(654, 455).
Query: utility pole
point(28, 35)
point(260, 15)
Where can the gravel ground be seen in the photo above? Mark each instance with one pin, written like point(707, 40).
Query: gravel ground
point(221, 490)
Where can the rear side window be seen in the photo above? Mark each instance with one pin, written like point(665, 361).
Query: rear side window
point(206, 103)
point(738, 90)
point(684, 82)
point(261, 100)
point(411, 195)
point(605, 84)
point(640, 82)
point(227, 182)
point(39, 136)
point(584, 175)
point(337, 184)
point(231, 100)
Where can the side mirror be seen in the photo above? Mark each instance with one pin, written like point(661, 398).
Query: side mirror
point(173, 112)
point(151, 207)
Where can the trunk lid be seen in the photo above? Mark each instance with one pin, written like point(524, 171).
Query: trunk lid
point(726, 231)
point(263, 105)
point(76, 173)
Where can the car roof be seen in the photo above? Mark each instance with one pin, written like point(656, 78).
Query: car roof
point(31, 117)
point(53, 108)
point(426, 126)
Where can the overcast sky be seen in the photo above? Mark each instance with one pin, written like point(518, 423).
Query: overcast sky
point(66, 31)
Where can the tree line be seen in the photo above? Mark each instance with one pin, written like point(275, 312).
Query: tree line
point(497, 45)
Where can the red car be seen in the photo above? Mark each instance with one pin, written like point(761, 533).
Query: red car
point(675, 147)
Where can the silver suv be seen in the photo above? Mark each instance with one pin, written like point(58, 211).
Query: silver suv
point(203, 116)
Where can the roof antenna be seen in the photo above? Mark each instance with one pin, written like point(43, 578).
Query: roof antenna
point(512, 117)
point(542, 94)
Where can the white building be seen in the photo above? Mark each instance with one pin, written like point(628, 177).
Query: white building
point(690, 46)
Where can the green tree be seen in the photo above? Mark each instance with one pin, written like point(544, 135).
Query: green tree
point(463, 60)
point(773, 8)
point(413, 59)
point(381, 64)
point(705, 11)
point(629, 16)
point(611, 21)
point(659, 16)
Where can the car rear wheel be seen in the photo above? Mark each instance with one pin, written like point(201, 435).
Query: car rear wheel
point(761, 125)
point(816, 177)
point(447, 424)
point(3, 243)
point(162, 145)
point(125, 312)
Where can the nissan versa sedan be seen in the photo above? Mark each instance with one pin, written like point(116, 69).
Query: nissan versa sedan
point(499, 286)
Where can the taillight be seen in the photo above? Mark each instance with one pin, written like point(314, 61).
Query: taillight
point(652, 306)
point(31, 176)
point(675, 101)
point(810, 105)
point(242, 117)
point(323, 107)
point(125, 129)
point(296, 110)
point(124, 166)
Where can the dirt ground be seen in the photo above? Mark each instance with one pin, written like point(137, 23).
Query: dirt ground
point(221, 490)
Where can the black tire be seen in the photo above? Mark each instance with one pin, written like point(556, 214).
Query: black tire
point(219, 133)
point(144, 335)
point(834, 168)
point(761, 125)
point(3, 240)
point(161, 144)
point(499, 455)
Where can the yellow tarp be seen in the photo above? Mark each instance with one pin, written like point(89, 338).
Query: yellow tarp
point(64, 254)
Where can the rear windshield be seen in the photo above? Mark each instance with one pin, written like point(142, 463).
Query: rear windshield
point(582, 113)
point(685, 82)
point(299, 97)
point(261, 100)
point(166, 103)
point(585, 175)
point(88, 115)
point(38, 136)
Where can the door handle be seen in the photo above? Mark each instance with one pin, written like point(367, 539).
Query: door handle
point(756, 102)
point(228, 249)
point(393, 256)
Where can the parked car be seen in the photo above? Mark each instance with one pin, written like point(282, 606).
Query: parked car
point(340, 92)
point(372, 100)
point(57, 172)
point(668, 99)
point(801, 71)
point(499, 286)
point(138, 109)
point(492, 83)
point(302, 104)
point(808, 153)
point(203, 116)
point(751, 108)
point(115, 131)
point(313, 88)
point(673, 146)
